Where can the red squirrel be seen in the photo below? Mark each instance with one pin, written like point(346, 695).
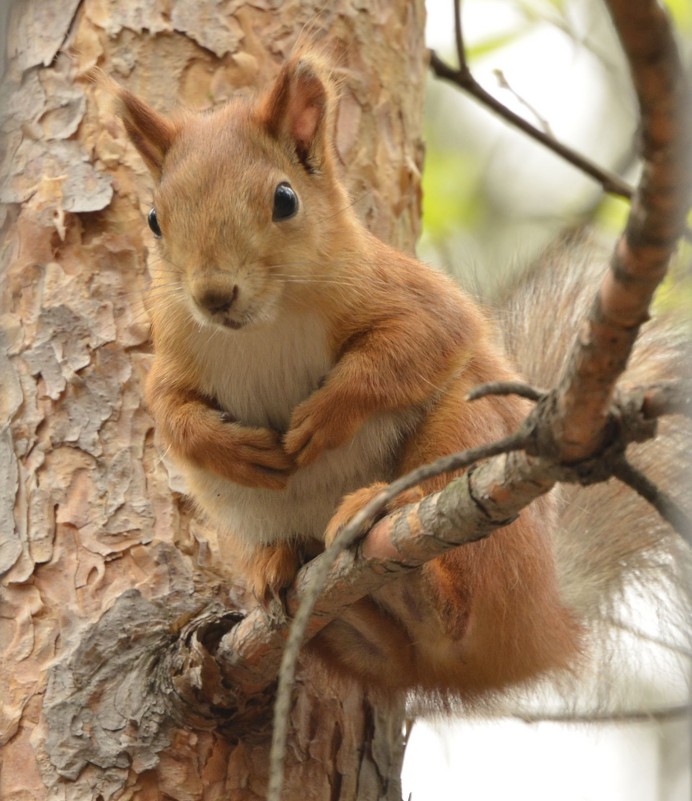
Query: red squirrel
point(299, 361)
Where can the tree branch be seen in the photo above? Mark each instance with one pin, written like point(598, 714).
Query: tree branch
point(506, 388)
point(655, 223)
point(463, 78)
point(667, 508)
point(647, 716)
point(666, 397)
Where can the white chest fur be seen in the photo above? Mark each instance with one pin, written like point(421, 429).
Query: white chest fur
point(259, 376)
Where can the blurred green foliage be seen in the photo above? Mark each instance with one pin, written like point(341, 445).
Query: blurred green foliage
point(493, 200)
point(448, 181)
point(681, 11)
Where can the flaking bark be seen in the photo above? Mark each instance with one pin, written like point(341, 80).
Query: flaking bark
point(104, 564)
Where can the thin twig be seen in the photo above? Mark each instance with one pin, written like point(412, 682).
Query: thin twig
point(610, 182)
point(506, 388)
point(459, 38)
point(669, 397)
point(463, 78)
point(504, 84)
point(627, 627)
point(647, 716)
point(667, 507)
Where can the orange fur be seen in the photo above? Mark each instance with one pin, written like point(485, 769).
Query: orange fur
point(272, 567)
point(198, 431)
point(361, 357)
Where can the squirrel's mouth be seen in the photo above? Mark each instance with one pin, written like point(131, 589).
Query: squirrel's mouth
point(237, 318)
point(232, 324)
point(220, 319)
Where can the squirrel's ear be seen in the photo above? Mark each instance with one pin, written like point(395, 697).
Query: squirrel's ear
point(296, 111)
point(151, 133)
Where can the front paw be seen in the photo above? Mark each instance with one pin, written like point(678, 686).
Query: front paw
point(318, 424)
point(253, 457)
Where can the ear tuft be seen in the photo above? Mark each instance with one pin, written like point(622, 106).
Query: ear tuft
point(150, 132)
point(297, 109)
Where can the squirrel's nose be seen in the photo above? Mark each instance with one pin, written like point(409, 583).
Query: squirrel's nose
point(217, 300)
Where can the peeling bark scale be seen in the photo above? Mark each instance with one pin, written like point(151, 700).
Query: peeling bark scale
point(102, 562)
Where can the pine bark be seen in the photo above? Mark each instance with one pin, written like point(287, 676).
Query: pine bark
point(101, 558)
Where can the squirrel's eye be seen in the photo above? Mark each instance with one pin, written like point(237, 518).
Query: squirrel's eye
point(285, 202)
point(154, 223)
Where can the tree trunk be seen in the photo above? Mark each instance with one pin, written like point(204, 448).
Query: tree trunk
point(101, 557)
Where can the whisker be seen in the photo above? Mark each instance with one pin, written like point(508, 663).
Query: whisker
point(357, 199)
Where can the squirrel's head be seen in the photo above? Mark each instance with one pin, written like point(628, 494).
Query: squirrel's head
point(247, 205)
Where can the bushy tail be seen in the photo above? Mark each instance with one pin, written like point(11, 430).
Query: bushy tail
point(621, 568)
